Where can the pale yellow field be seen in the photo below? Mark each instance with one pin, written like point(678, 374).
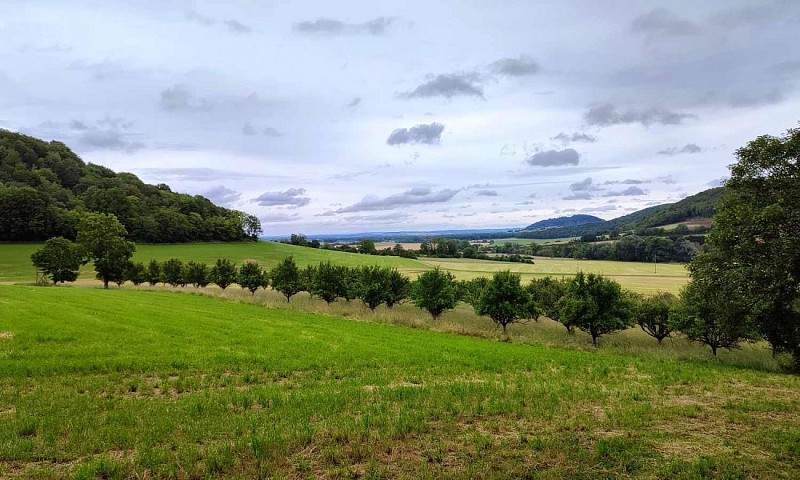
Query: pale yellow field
point(635, 276)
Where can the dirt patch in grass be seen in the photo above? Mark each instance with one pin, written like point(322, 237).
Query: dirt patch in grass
point(6, 335)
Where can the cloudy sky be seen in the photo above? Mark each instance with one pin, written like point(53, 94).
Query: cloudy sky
point(373, 116)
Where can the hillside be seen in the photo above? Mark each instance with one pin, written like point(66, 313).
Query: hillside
point(44, 186)
point(702, 204)
point(145, 384)
point(569, 221)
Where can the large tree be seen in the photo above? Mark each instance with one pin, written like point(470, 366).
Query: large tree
point(435, 291)
point(506, 301)
point(755, 240)
point(327, 282)
point(59, 259)
point(252, 277)
point(546, 292)
point(652, 313)
point(286, 278)
point(223, 273)
point(596, 305)
point(104, 239)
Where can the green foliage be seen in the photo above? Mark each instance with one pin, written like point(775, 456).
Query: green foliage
point(470, 291)
point(172, 272)
point(753, 249)
point(435, 291)
point(286, 278)
point(596, 305)
point(59, 259)
point(252, 277)
point(652, 313)
point(196, 273)
point(713, 308)
point(545, 293)
point(104, 239)
point(367, 246)
point(350, 283)
point(373, 285)
point(327, 282)
point(153, 274)
point(398, 287)
point(136, 273)
point(223, 273)
point(44, 185)
point(505, 301)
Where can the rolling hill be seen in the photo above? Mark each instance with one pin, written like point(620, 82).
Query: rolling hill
point(702, 204)
point(44, 186)
point(569, 221)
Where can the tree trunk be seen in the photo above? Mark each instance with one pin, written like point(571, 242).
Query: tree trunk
point(105, 283)
point(714, 350)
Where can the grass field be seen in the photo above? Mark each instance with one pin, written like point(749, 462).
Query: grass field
point(538, 241)
point(132, 383)
point(15, 264)
point(15, 259)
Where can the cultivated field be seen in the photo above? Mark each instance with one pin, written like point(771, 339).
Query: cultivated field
point(128, 382)
point(637, 276)
point(15, 263)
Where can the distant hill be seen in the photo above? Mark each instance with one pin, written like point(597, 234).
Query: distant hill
point(703, 204)
point(44, 186)
point(569, 221)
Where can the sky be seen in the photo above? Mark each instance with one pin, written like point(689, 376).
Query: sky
point(331, 117)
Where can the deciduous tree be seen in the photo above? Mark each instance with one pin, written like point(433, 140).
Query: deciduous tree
point(435, 291)
point(104, 239)
point(59, 259)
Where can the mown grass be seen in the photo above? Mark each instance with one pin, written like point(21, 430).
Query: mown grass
point(129, 382)
point(15, 263)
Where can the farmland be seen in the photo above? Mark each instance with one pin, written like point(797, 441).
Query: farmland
point(132, 382)
point(15, 264)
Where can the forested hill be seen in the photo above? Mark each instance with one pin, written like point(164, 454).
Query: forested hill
point(703, 204)
point(44, 187)
point(569, 221)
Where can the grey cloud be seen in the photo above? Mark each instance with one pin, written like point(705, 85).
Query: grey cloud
point(414, 196)
point(330, 27)
point(688, 148)
point(515, 67)
point(627, 181)
point(607, 115)
point(575, 137)
point(110, 139)
point(601, 208)
point(744, 100)
point(222, 196)
point(196, 174)
point(663, 23)
point(271, 132)
point(237, 27)
point(248, 129)
point(292, 197)
point(757, 15)
point(359, 173)
point(78, 125)
point(585, 185)
point(109, 133)
point(279, 218)
point(786, 68)
point(554, 158)
point(354, 102)
point(486, 193)
point(448, 86)
point(628, 192)
point(578, 196)
point(428, 134)
point(180, 98)
point(193, 16)
point(378, 219)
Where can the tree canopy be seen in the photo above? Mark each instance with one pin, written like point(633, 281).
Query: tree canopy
point(44, 187)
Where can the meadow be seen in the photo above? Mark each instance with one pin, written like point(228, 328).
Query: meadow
point(15, 263)
point(139, 383)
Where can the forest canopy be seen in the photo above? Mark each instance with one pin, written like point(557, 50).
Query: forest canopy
point(44, 188)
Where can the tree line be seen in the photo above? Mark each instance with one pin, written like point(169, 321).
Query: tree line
point(45, 189)
point(588, 302)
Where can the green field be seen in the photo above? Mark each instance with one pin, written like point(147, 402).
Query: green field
point(135, 383)
point(15, 258)
point(15, 263)
point(637, 276)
